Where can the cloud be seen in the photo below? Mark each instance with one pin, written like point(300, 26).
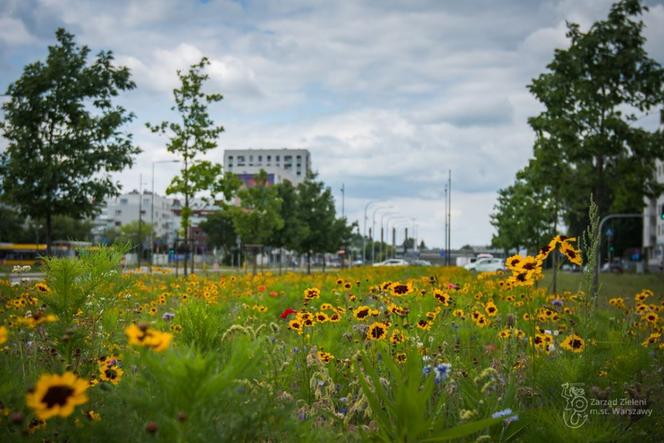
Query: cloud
point(388, 96)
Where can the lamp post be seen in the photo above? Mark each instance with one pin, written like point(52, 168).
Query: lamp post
point(382, 224)
point(387, 229)
point(364, 233)
point(152, 210)
point(373, 232)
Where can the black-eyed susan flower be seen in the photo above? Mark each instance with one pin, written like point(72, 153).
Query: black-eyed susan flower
point(111, 373)
point(397, 337)
point(491, 309)
point(573, 343)
point(442, 296)
point(504, 333)
point(572, 254)
point(142, 335)
point(377, 331)
point(322, 317)
point(325, 357)
point(400, 357)
point(425, 325)
point(57, 395)
point(311, 293)
point(399, 288)
point(458, 313)
point(42, 287)
point(296, 325)
point(362, 312)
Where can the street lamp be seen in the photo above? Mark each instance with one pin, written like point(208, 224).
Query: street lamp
point(373, 231)
point(387, 227)
point(382, 223)
point(396, 221)
point(364, 234)
point(152, 210)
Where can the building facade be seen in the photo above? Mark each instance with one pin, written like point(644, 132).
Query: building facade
point(653, 224)
point(280, 164)
point(653, 221)
point(127, 208)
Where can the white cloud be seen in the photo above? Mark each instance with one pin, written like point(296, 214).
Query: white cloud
point(13, 32)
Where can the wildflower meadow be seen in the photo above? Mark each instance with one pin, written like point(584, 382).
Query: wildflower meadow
point(366, 354)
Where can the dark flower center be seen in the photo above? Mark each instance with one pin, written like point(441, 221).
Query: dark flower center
point(57, 395)
point(400, 289)
point(576, 343)
point(377, 332)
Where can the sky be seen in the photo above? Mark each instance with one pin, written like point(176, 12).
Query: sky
point(388, 96)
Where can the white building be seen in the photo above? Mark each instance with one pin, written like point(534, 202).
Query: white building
point(653, 225)
point(280, 164)
point(125, 208)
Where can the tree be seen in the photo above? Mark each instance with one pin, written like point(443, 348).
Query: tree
point(521, 218)
point(64, 134)
point(195, 135)
point(293, 229)
point(135, 234)
point(591, 93)
point(220, 231)
point(257, 217)
point(318, 214)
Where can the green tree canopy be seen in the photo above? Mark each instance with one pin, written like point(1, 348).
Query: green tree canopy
point(64, 134)
point(587, 137)
point(190, 139)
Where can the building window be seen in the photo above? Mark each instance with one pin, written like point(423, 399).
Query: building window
point(277, 158)
point(117, 223)
point(118, 212)
point(269, 158)
point(230, 158)
point(260, 158)
point(124, 201)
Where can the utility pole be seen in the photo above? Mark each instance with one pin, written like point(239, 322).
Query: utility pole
point(449, 219)
point(140, 220)
point(445, 223)
point(343, 198)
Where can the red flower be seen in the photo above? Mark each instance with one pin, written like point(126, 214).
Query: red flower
point(261, 288)
point(273, 293)
point(287, 312)
point(452, 286)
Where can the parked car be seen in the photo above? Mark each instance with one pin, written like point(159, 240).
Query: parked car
point(392, 262)
point(490, 265)
point(419, 262)
point(474, 260)
point(358, 262)
point(615, 267)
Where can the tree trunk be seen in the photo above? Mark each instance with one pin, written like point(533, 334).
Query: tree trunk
point(281, 259)
point(308, 262)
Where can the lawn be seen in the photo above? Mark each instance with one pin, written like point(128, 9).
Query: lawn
point(611, 284)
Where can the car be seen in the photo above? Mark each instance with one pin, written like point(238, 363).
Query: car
point(392, 262)
point(490, 265)
point(420, 263)
point(358, 262)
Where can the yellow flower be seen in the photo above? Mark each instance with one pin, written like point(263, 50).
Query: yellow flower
point(573, 343)
point(442, 296)
point(325, 357)
point(57, 395)
point(111, 373)
point(42, 287)
point(362, 312)
point(4, 333)
point(141, 335)
point(491, 309)
point(377, 331)
point(311, 293)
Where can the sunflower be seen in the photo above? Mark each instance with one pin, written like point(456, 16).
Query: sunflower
point(573, 343)
point(57, 395)
point(377, 331)
point(4, 333)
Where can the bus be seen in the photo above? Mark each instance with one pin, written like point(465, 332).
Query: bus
point(12, 254)
point(30, 253)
